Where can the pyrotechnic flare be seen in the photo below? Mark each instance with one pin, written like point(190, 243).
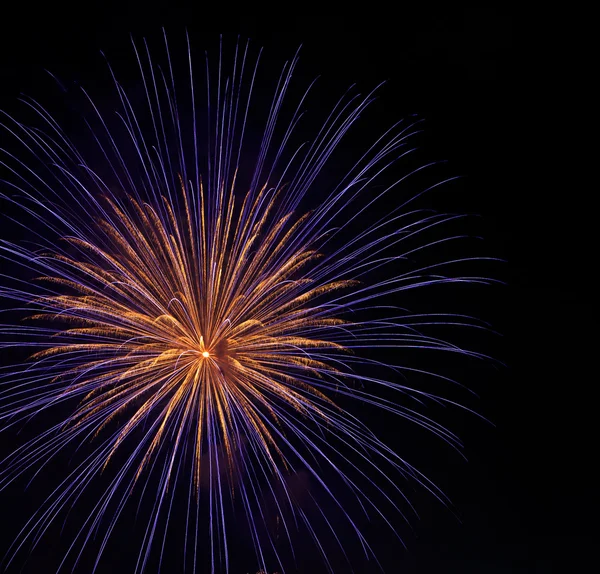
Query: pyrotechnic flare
point(190, 315)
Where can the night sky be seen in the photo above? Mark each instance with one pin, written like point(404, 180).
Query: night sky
point(524, 497)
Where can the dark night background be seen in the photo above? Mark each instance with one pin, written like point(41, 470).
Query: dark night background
point(524, 498)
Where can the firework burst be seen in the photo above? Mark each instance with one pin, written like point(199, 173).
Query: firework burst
point(205, 326)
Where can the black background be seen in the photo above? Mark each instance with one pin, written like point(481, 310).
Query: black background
point(525, 496)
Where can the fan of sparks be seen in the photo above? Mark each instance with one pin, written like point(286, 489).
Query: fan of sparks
point(191, 314)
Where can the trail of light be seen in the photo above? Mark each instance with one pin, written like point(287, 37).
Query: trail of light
point(206, 325)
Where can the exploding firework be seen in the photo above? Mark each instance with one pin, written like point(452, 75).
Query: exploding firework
point(203, 331)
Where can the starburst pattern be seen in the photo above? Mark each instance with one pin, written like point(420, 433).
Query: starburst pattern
point(212, 321)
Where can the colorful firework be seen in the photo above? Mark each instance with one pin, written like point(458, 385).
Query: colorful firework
point(206, 327)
